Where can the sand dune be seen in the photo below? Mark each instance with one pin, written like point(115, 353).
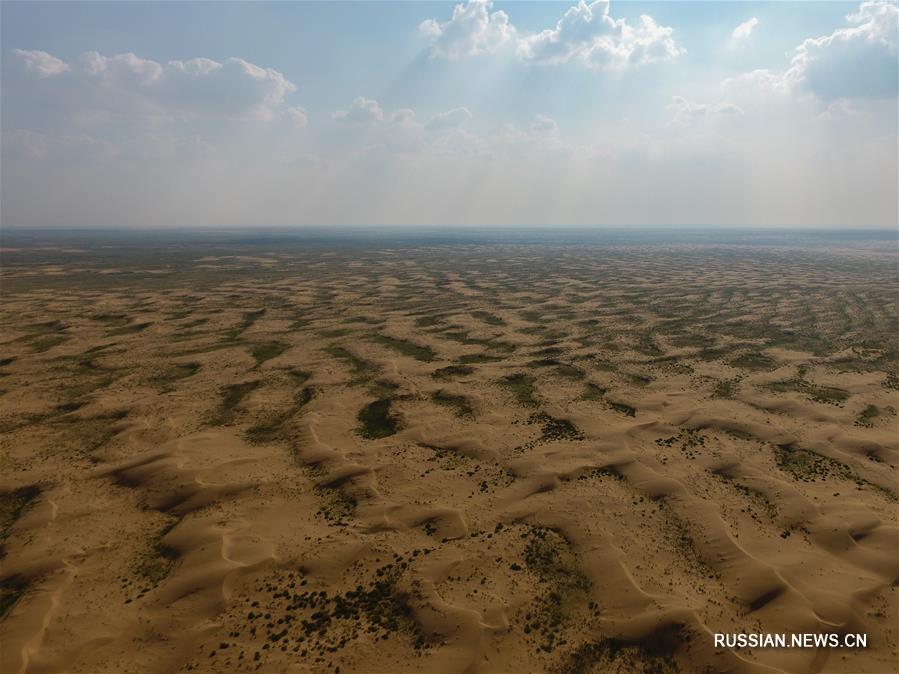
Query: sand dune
point(496, 459)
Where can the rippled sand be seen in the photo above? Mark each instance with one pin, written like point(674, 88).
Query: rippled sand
point(499, 458)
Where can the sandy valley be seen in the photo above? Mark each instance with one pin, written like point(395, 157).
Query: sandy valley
point(446, 457)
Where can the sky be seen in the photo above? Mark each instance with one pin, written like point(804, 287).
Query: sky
point(188, 115)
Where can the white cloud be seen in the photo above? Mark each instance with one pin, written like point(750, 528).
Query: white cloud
point(39, 146)
point(166, 146)
point(361, 111)
point(544, 126)
point(400, 131)
point(297, 116)
point(451, 119)
point(761, 81)
point(126, 84)
point(581, 27)
point(585, 32)
point(858, 61)
point(402, 116)
point(684, 112)
point(540, 140)
point(40, 62)
point(726, 108)
point(854, 62)
point(742, 32)
point(444, 134)
point(839, 109)
point(81, 148)
point(647, 42)
point(473, 29)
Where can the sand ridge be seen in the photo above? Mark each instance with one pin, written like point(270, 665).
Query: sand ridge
point(451, 459)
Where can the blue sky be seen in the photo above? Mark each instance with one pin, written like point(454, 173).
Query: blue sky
point(504, 113)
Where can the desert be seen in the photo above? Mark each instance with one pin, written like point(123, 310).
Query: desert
point(388, 456)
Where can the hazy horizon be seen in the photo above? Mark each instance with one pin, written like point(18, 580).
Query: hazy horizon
point(418, 114)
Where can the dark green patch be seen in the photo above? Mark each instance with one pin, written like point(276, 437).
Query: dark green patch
point(363, 370)
point(274, 428)
point(652, 655)
point(11, 590)
point(336, 507)
point(45, 343)
point(867, 416)
point(544, 362)
point(726, 388)
point(593, 392)
point(418, 352)
point(532, 316)
point(808, 466)
point(487, 317)
point(267, 351)
point(159, 560)
point(555, 429)
point(549, 556)
point(694, 340)
point(335, 332)
point(478, 358)
point(622, 408)
point(638, 379)
point(376, 420)
point(464, 338)
point(131, 328)
point(317, 622)
point(249, 318)
point(753, 360)
point(13, 505)
point(427, 321)
point(522, 387)
point(561, 588)
point(232, 397)
point(452, 371)
point(460, 404)
point(821, 394)
point(111, 320)
point(570, 372)
point(84, 435)
point(173, 372)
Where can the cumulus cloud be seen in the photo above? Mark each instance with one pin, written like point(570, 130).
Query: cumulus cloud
point(451, 119)
point(128, 84)
point(856, 61)
point(167, 146)
point(582, 26)
point(473, 29)
point(762, 81)
point(743, 32)
point(544, 126)
point(586, 32)
point(647, 42)
point(80, 148)
point(361, 111)
point(445, 134)
point(839, 109)
point(297, 116)
point(539, 139)
point(41, 146)
point(40, 62)
point(401, 131)
point(684, 111)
